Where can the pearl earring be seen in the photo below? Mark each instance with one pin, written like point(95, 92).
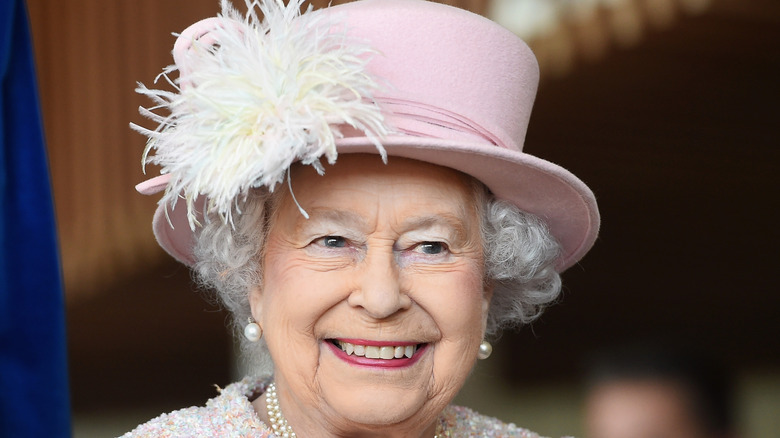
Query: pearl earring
point(485, 350)
point(253, 331)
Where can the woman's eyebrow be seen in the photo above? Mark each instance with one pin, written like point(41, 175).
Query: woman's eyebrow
point(448, 221)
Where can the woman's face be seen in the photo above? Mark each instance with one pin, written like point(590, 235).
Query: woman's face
point(373, 308)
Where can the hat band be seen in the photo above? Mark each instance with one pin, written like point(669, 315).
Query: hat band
point(423, 120)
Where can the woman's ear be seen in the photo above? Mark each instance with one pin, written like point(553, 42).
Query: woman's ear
point(487, 296)
point(256, 304)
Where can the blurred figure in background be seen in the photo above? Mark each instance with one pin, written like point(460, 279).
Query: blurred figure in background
point(657, 393)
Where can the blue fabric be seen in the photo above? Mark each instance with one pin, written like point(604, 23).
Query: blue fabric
point(34, 398)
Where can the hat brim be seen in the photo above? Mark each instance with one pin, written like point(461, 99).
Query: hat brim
point(534, 185)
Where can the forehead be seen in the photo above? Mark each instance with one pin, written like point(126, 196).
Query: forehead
point(361, 183)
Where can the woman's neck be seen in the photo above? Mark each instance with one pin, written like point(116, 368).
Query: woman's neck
point(317, 424)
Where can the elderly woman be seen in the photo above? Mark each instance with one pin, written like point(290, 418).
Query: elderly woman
point(352, 184)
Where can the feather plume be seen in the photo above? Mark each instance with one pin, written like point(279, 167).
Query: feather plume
point(254, 97)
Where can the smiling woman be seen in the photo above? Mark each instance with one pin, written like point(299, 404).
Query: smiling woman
point(365, 289)
point(357, 272)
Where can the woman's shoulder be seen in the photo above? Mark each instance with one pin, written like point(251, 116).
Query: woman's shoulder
point(461, 422)
point(230, 414)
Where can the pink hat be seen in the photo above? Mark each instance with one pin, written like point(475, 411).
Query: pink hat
point(460, 94)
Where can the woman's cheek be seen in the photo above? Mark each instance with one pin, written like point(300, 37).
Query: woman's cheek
point(457, 292)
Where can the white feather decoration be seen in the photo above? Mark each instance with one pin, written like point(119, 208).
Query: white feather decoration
point(267, 93)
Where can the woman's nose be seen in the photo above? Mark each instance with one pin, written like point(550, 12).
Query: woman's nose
point(378, 290)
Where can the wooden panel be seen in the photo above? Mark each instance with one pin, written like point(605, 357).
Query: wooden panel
point(89, 55)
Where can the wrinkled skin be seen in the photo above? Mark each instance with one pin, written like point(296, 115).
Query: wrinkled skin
point(390, 253)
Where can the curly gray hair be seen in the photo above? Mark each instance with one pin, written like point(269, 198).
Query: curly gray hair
point(519, 252)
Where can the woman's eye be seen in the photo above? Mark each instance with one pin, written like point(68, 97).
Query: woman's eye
point(332, 241)
point(432, 248)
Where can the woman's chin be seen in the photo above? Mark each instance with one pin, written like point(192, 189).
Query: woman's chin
point(380, 408)
point(371, 393)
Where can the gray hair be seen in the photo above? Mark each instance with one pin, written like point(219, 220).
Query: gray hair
point(519, 252)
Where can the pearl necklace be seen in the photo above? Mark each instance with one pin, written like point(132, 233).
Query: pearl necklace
point(284, 430)
point(278, 422)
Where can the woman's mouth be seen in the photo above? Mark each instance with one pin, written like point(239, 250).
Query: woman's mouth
point(376, 353)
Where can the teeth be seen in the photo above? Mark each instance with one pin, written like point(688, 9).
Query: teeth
point(386, 352)
point(374, 352)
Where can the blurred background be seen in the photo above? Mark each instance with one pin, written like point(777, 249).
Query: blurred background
point(667, 109)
